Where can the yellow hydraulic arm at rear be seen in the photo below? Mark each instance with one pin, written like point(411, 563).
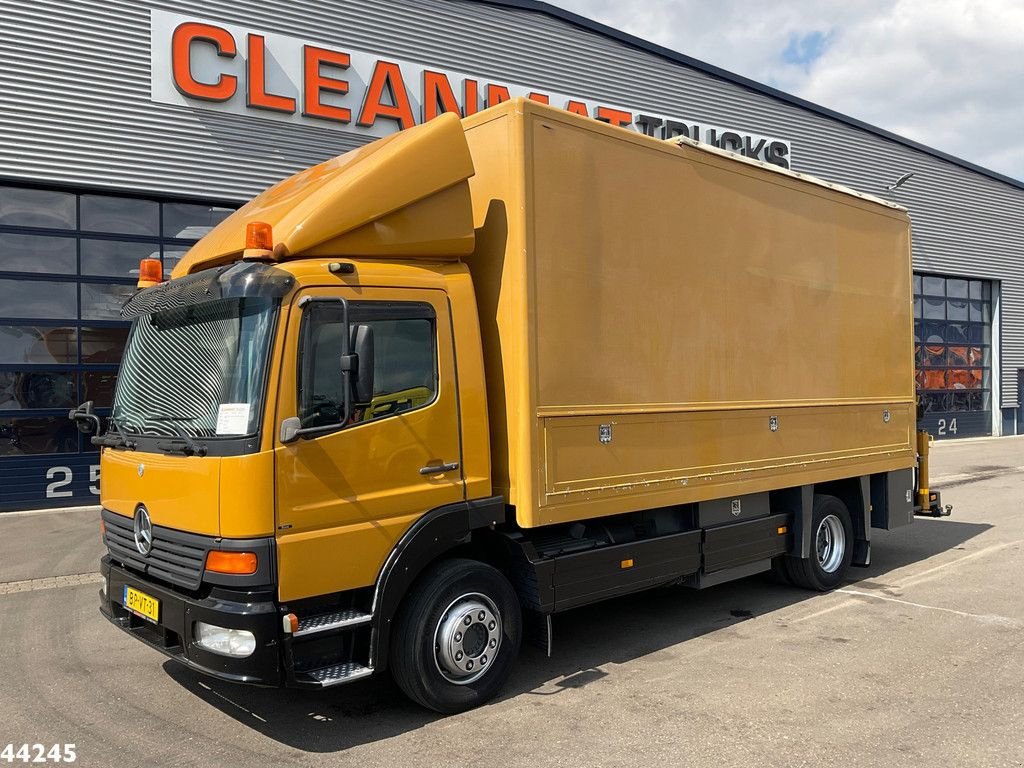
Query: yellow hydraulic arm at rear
point(926, 501)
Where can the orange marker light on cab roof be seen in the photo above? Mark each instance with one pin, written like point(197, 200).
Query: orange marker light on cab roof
point(151, 273)
point(259, 235)
point(236, 563)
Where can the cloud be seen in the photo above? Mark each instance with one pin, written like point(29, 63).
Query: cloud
point(947, 74)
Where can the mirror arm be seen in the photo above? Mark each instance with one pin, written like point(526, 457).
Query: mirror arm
point(292, 431)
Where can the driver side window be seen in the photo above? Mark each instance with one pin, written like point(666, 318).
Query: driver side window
point(404, 361)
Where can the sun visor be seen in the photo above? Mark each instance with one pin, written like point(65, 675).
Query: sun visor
point(404, 196)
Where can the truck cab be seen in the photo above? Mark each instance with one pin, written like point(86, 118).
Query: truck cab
point(281, 423)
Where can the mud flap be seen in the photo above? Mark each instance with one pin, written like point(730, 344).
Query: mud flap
point(537, 630)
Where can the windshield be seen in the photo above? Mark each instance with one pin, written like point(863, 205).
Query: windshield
point(197, 370)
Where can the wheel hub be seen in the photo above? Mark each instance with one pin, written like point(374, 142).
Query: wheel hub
point(467, 638)
point(830, 543)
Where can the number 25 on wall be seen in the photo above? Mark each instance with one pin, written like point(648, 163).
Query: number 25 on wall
point(62, 477)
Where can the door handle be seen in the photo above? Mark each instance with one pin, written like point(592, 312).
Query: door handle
point(437, 469)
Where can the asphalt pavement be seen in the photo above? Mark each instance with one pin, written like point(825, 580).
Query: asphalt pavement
point(918, 660)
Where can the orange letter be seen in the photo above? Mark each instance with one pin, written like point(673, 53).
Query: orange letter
point(496, 94)
point(256, 91)
point(436, 88)
point(470, 97)
point(387, 75)
point(614, 116)
point(577, 108)
point(181, 65)
point(314, 83)
point(539, 98)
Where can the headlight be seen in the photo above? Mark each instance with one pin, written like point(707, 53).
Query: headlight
point(227, 642)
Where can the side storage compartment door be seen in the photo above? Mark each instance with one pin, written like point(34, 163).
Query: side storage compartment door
point(345, 497)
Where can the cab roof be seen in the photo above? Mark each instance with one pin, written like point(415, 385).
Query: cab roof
point(405, 196)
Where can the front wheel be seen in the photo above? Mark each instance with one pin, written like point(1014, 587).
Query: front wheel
point(457, 636)
point(831, 547)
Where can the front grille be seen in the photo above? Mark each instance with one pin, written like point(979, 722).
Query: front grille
point(177, 557)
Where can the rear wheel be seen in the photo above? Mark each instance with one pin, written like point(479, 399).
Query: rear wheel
point(831, 547)
point(457, 636)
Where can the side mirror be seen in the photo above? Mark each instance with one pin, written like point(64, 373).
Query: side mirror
point(85, 420)
point(362, 346)
point(291, 429)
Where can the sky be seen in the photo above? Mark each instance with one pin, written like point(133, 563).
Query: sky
point(946, 73)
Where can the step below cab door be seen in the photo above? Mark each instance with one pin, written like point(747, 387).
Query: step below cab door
point(345, 496)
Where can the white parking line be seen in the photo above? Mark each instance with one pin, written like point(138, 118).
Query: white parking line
point(59, 510)
point(914, 580)
point(923, 576)
point(987, 618)
point(50, 582)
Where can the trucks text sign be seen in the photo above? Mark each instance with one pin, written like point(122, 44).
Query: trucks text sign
point(228, 68)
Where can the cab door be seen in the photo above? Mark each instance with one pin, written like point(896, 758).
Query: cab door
point(346, 496)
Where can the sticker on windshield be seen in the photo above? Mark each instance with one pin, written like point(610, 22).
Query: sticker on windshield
point(233, 419)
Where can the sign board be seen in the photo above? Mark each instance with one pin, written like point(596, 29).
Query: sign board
point(203, 64)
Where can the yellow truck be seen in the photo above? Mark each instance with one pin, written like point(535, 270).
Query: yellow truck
point(404, 406)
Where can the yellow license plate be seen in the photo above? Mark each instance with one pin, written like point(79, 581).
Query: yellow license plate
point(142, 604)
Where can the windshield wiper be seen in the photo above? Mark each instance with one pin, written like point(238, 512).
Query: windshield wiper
point(191, 446)
point(116, 440)
point(119, 428)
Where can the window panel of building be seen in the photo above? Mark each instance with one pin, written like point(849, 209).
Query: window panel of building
point(21, 344)
point(37, 253)
point(956, 289)
point(38, 299)
point(115, 258)
point(934, 286)
point(24, 207)
point(120, 215)
point(35, 435)
point(935, 309)
point(38, 389)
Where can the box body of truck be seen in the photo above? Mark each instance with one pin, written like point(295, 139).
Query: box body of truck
point(406, 405)
point(663, 324)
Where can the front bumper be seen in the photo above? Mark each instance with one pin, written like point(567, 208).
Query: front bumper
point(253, 610)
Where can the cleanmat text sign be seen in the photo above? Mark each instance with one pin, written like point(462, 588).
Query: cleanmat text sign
point(205, 64)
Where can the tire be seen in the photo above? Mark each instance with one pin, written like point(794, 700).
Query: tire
point(428, 636)
point(831, 547)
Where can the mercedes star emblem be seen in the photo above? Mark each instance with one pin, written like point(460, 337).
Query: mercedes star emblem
point(143, 530)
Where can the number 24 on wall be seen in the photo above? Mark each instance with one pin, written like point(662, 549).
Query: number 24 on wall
point(62, 477)
point(947, 429)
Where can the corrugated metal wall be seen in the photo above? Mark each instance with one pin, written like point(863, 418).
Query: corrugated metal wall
point(75, 108)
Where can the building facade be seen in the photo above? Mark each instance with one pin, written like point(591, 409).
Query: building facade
point(128, 130)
